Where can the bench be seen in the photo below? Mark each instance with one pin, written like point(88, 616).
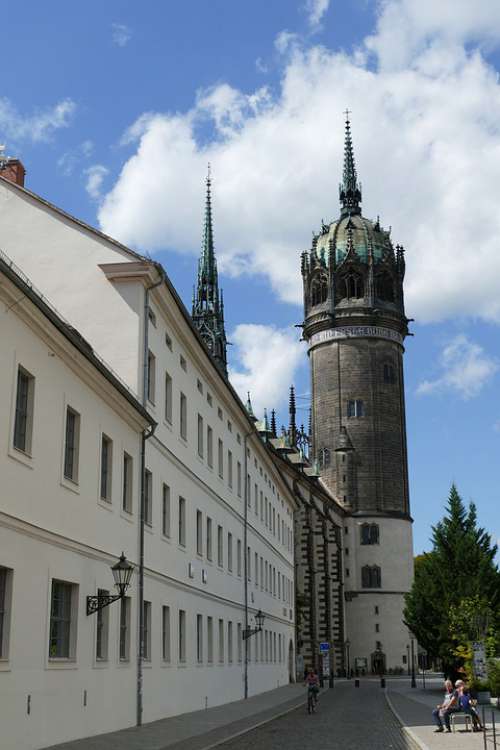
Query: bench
point(458, 716)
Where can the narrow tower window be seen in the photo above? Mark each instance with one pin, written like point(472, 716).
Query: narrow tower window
point(319, 290)
point(355, 408)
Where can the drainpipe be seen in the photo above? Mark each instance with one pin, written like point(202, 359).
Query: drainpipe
point(145, 436)
point(245, 558)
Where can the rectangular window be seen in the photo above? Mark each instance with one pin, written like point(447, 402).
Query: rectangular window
point(230, 552)
point(152, 317)
point(209, 538)
point(125, 629)
point(355, 409)
point(221, 459)
point(256, 569)
point(165, 510)
point(261, 506)
point(183, 416)
point(238, 557)
point(151, 375)
point(146, 648)
point(182, 635)
point(182, 522)
point(209, 399)
point(200, 436)
point(102, 629)
point(183, 362)
point(249, 564)
point(5, 589)
point(238, 477)
point(210, 447)
point(168, 398)
point(261, 573)
point(199, 639)
point(71, 445)
point(256, 498)
point(199, 385)
point(210, 640)
point(128, 477)
point(165, 633)
point(106, 467)
point(199, 532)
point(220, 547)
point(274, 522)
point(239, 637)
point(221, 641)
point(230, 642)
point(62, 637)
point(168, 341)
point(230, 469)
point(148, 498)
point(23, 422)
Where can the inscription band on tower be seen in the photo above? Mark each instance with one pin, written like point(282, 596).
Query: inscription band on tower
point(355, 332)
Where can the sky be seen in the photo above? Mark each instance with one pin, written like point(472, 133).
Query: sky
point(116, 109)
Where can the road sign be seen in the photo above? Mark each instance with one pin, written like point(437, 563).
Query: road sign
point(324, 647)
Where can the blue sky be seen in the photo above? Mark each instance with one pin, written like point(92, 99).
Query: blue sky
point(115, 109)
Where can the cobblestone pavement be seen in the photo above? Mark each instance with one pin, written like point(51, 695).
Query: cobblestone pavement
point(346, 719)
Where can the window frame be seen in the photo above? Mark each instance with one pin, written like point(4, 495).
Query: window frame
point(25, 414)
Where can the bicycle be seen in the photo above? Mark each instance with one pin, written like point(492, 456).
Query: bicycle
point(312, 700)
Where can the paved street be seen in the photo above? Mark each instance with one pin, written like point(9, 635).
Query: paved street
point(346, 719)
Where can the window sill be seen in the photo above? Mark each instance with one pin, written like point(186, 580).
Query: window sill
point(106, 504)
point(183, 441)
point(181, 665)
point(167, 424)
point(62, 664)
point(127, 516)
point(5, 665)
point(124, 663)
point(21, 457)
point(101, 664)
point(148, 527)
point(165, 664)
point(70, 485)
point(166, 538)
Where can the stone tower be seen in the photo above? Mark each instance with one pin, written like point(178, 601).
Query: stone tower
point(208, 302)
point(355, 326)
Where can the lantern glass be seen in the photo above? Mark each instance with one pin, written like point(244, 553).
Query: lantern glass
point(122, 573)
point(259, 620)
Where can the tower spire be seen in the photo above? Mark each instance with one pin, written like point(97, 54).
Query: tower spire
point(292, 430)
point(208, 305)
point(349, 189)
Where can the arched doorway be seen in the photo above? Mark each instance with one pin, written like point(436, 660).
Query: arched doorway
point(291, 671)
point(378, 662)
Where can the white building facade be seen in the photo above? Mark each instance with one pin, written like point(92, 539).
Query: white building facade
point(217, 533)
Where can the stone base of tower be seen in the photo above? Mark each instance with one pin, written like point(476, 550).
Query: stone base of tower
point(375, 600)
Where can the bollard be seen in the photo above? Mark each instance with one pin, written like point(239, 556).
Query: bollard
point(382, 682)
point(356, 683)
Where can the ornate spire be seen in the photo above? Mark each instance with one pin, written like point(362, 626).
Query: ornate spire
point(208, 304)
point(249, 407)
point(273, 423)
point(350, 189)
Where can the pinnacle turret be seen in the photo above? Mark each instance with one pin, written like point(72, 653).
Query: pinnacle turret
point(208, 304)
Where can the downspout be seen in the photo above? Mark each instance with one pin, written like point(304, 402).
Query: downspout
point(145, 436)
point(245, 558)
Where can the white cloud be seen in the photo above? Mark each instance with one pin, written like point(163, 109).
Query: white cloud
point(37, 127)
point(316, 9)
point(428, 157)
point(94, 178)
point(465, 369)
point(285, 41)
point(267, 358)
point(120, 34)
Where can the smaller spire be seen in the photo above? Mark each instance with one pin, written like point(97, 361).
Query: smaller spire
point(249, 408)
point(350, 189)
point(292, 412)
point(273, 423)
point(266, 421)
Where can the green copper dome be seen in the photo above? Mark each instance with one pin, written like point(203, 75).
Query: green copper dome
point(363, 233)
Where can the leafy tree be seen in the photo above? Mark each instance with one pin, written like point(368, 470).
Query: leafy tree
point(461, 567)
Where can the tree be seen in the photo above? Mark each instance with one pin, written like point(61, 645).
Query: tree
point(460, 567)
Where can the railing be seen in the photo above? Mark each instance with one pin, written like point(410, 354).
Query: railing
point(489, 733)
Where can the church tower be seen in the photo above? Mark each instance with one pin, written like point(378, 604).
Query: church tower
point(208, 302)
point(355, 326)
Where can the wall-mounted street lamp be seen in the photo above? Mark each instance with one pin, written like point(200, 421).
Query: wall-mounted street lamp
point(122, 573)
point(259, 621)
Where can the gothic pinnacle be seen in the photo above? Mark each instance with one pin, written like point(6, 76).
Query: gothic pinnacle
point(292, 411)
point(350, 190)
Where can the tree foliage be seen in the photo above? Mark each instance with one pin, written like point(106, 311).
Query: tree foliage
point(460, 569)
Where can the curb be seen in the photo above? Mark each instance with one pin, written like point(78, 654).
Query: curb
point(406, 729)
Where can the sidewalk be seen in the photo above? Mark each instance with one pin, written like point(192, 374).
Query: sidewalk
point(413, 708)
point(199, 730)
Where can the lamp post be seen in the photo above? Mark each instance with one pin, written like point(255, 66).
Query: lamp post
point(408, 658)
point(413, 681)
point(259, 621)
point(122, 573)
point(347, 659)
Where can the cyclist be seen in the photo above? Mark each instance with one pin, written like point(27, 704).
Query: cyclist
point(312, 683)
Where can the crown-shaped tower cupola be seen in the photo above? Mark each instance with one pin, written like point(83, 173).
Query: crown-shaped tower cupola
point(208, 302)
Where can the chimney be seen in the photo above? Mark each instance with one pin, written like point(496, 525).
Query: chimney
point(12, 170)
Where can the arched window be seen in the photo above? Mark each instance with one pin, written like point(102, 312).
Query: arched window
point(369, 533)
point(389, 374)
point(324, 458)
point(354, 286)
point(384, 287)
point(371, 577)
point(319, 290)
